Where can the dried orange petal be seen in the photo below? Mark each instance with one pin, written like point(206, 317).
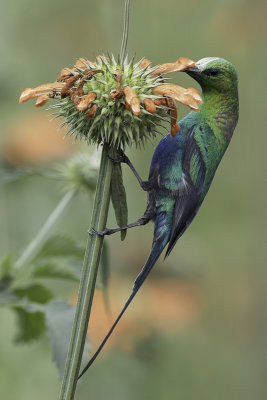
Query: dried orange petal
point(145, 63)
point(103, 58)
point(79, 89)
point(194, 93)
point(91, 113)
point(41, 100)
point(180, 65)
point(150, 106)
point(86, 101)
point(81, 63)
point(128, 107)
point(65, 91)
point(65, 73)
point(160, 102)
point(174, 115)
point(46, 88)
point(179, 94)
point(132, 100)
point(185, 63)
point(117, 94)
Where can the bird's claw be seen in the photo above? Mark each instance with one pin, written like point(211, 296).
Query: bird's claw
point(93, 231)
point(122, 159)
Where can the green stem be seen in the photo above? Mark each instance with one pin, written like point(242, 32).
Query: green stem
point(125, 31)
point(88, 279)
point(34, 246)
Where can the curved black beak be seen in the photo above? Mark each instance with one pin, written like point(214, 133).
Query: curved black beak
point(193, 71)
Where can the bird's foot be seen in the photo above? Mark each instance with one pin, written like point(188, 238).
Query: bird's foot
point(106, 231)
point(122, 159)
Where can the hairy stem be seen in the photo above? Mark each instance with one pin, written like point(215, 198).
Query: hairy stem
point(88, 279)
point(34, 246)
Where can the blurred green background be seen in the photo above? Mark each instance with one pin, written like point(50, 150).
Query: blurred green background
point(198, 329)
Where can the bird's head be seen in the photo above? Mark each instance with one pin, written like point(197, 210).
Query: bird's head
point(214, 73)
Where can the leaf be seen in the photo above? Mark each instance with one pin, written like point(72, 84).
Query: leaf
point(5, 281)
point(118, 197)
point(104, 273)
point(6, 298)
point(54, 271)
point(35, 293)
point(5, 266)
point(104, 268)
point(13, 174)
point(61, 245)
point(59, 320)
point(31, 325)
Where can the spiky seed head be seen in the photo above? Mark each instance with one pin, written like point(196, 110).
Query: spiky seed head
point(113, 102)
point(119, 119)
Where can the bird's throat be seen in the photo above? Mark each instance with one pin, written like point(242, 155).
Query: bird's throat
point(220, 111)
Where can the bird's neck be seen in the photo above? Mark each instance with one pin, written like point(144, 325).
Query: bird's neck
point(220, 111)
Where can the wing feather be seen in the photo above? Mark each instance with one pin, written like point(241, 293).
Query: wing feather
point(188, 198)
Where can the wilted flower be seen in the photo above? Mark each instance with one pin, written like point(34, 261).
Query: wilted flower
point(117, 103)
point(80, 171)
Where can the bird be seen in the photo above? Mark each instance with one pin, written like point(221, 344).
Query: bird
point(183, 166)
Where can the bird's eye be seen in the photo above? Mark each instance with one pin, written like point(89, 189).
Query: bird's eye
point(212, 72)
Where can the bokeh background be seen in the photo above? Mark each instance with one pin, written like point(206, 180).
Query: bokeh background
point(198, 328)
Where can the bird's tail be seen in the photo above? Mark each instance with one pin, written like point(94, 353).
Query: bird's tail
point(157, 249)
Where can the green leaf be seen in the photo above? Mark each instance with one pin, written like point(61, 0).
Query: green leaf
point(5, 280)
point(35, 293)
point(118, 197)
point(5, 266)
point(104, 273)
point(30, 324)
point(61, 246)
point(13, 174)
point(59, 321)
point(55, 271)
point(104, 267)
point(6, 298)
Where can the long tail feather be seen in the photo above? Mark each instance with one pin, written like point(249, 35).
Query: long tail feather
point(154, 255)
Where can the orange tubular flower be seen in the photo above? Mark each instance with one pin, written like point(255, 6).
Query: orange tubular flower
point(49, 89)
point(132, 100)
point(180, 65)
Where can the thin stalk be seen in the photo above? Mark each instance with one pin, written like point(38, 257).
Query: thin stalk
point(125, 31)
point(34, 246)
point(88, 279)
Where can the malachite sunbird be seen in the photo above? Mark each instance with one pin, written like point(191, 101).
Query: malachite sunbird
point(183, 167)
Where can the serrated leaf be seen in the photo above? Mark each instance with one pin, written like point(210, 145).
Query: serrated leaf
point(31, 325)
point(59, 321)
point(61, 245)
point(118, 197)
point(54, 271)
point(35, 293)
point(5, 266)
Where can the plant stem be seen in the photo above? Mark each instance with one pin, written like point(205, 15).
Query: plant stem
point(125, 31)
point(91, 258)
point(88, 279)
point(34, 246)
